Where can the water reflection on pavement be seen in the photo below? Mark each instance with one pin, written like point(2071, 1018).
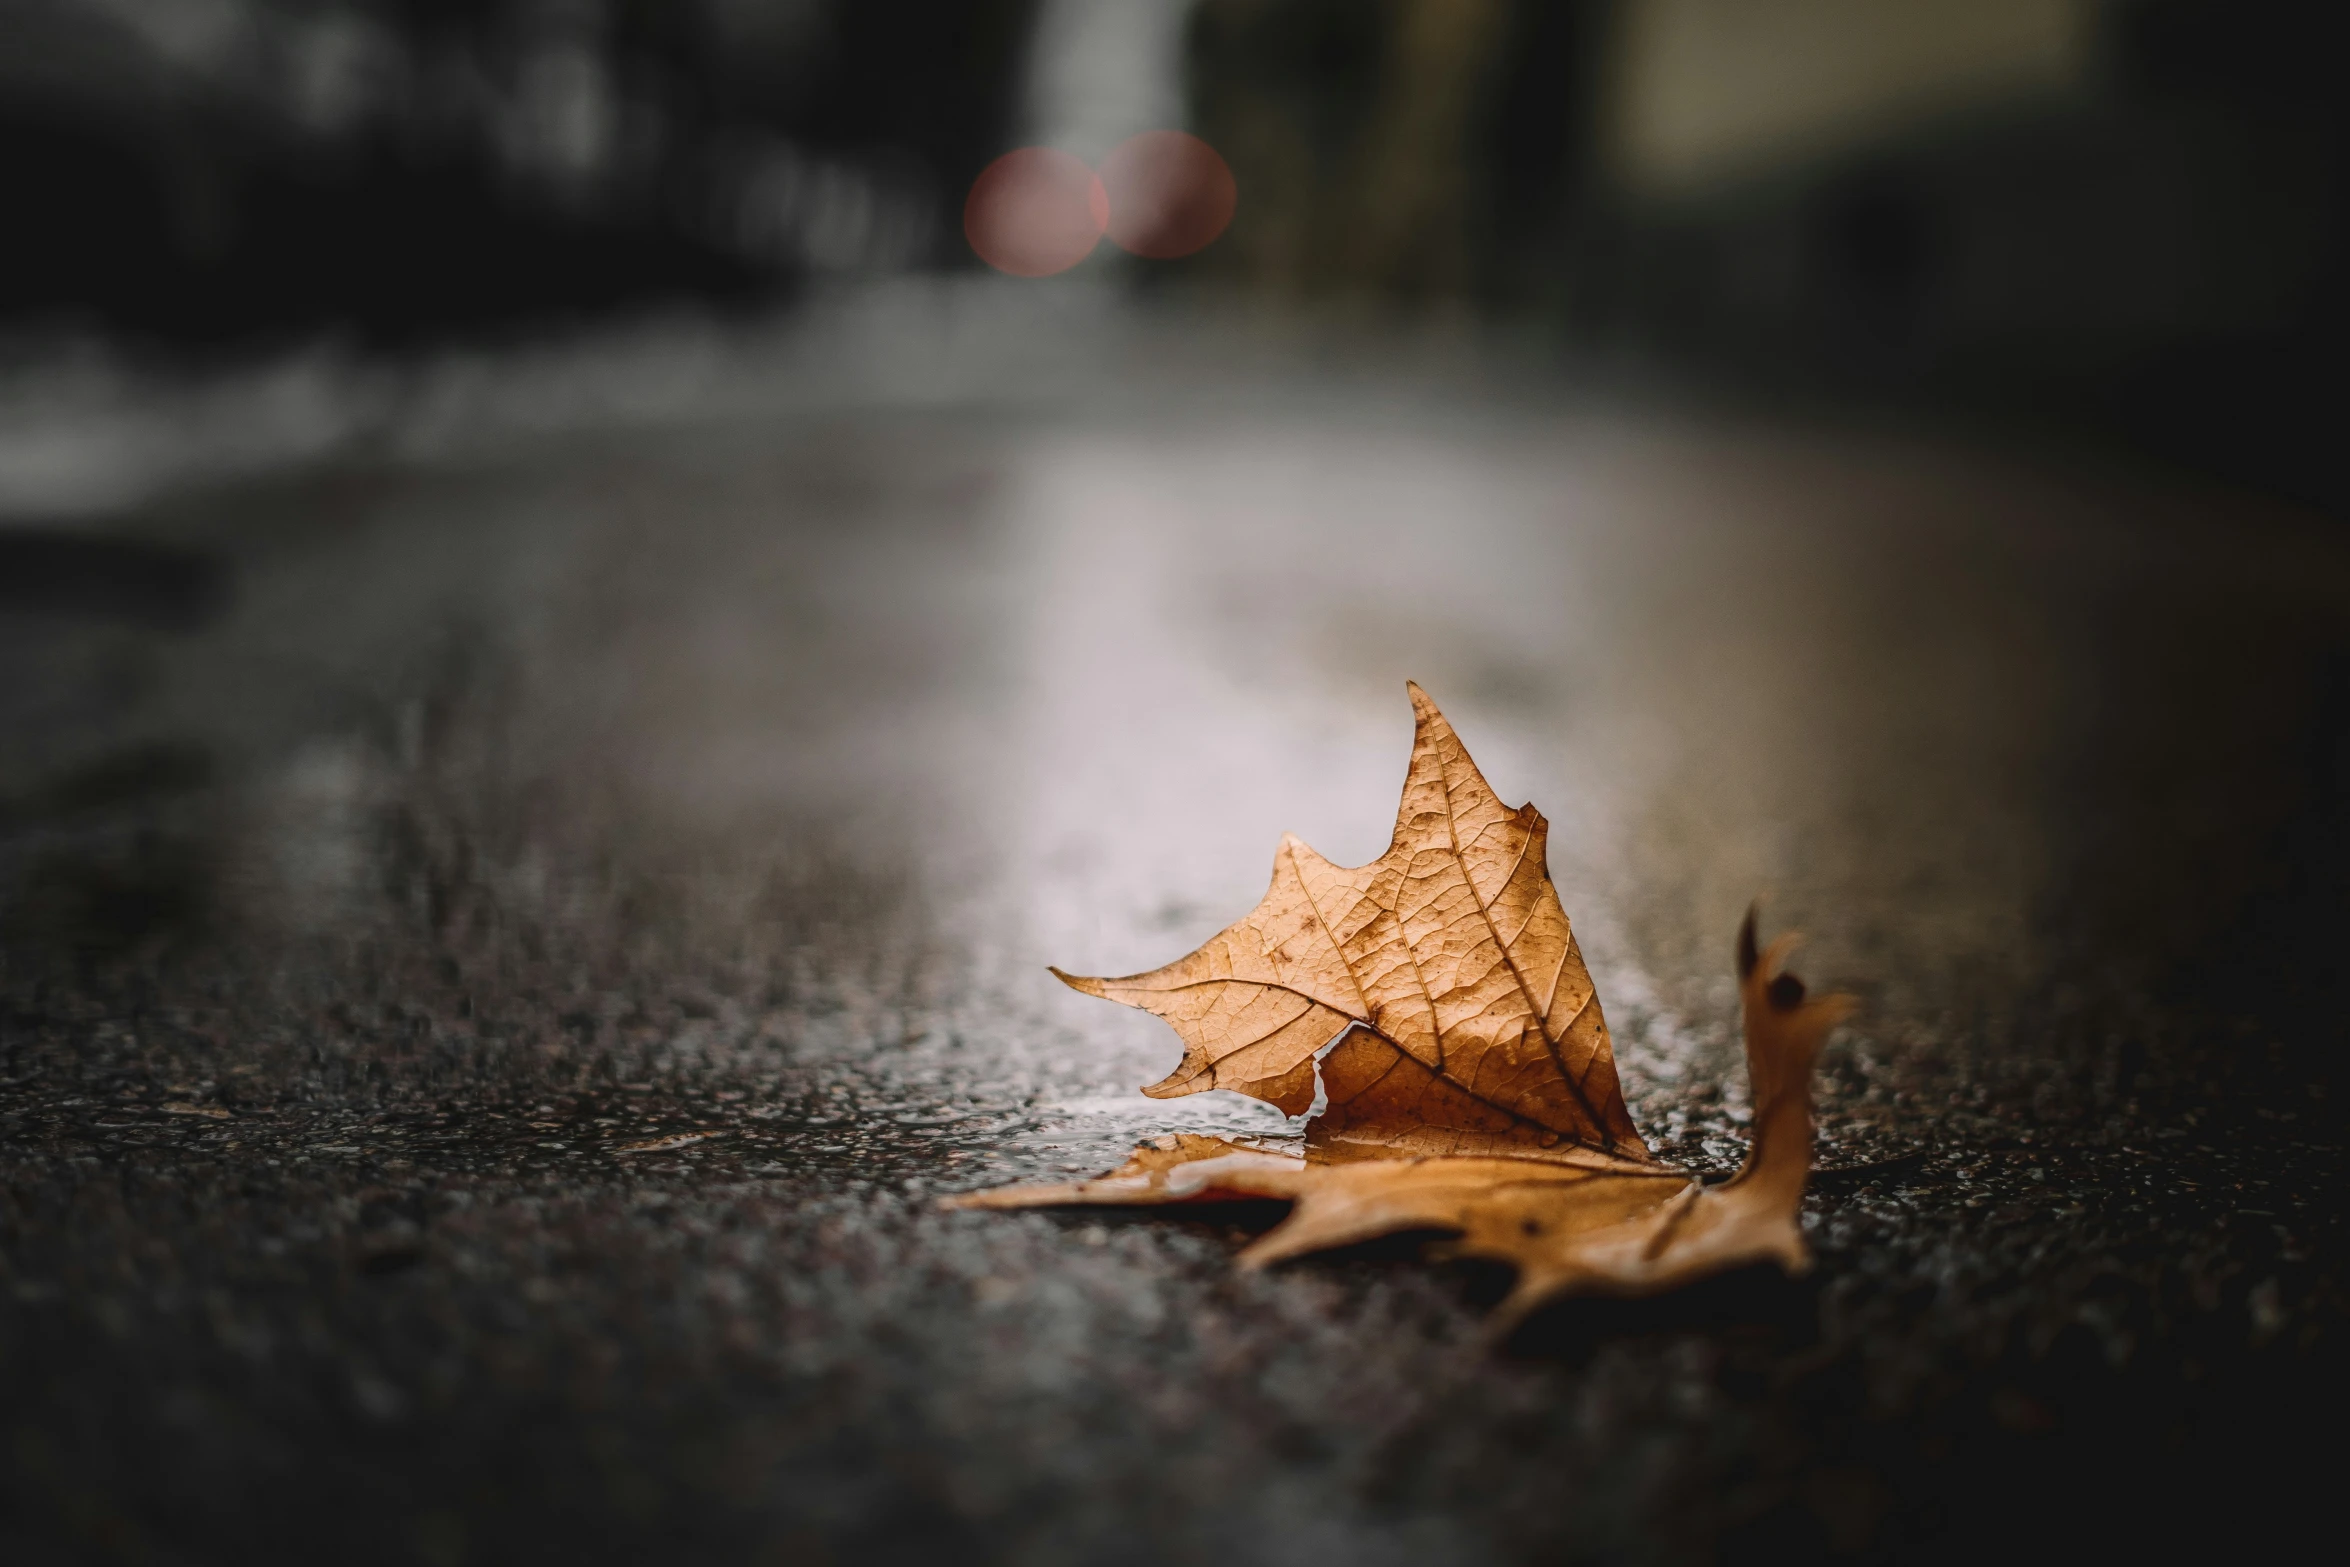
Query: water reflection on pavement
point(597, 887)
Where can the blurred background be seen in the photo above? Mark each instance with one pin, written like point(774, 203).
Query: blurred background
point(569, 652)
point(2117, 219)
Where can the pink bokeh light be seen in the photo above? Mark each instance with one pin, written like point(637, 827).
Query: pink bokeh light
point(1035, 211)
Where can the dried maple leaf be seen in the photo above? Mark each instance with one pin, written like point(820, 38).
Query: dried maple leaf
point(1471, 1087)
point(1470, 1023)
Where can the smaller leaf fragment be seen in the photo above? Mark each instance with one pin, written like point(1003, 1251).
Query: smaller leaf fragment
point(662, 1144)
point(1752, 1217)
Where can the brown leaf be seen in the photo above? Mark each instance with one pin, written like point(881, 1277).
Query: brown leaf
point(1470, 1085)
point(1470, 1022)
point(673, 1140)
point(1605, 1226)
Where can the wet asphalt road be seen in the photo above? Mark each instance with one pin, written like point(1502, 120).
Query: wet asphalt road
point(502, 949)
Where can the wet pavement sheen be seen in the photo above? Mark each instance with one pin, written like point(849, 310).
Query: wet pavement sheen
point(493, 994)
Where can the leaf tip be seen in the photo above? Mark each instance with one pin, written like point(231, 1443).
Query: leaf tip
point(1185, 1079)
point(1085, 984)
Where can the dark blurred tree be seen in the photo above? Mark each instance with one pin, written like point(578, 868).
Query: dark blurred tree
point(404, 168)
point(1416, 148)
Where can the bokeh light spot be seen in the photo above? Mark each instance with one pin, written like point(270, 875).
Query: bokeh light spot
point(1170, 194)
point(1035, 211)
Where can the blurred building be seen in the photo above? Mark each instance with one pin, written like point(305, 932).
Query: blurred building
point(2126, 215)
point(2121, 217)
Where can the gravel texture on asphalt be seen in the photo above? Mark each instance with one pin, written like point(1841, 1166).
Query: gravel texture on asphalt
point(502, 951)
